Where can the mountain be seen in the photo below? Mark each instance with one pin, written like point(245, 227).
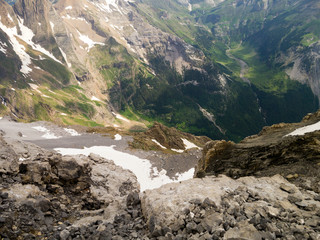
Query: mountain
point(204, 67)
point(46, 195)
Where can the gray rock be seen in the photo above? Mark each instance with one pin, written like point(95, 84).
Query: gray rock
point(243, 231)
point(191, 227)
point(287, 188)
point(64, 234)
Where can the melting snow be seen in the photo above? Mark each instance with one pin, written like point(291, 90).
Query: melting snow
point(178, 150)
point(72, 132)
point(117, 137)
point(34, 87)
point(159, 144)
point(2, 47)
point(117, 115)
point(88, 41)
point(188, 144)
point(26, 36)
point(304, 130)
point(65, 57)
point(109, 6)
point(68, 8)
point(52, 26)
point(18, 48)
point(147, 177)
point(93, 98)
point(10, 17)
point(48, 134)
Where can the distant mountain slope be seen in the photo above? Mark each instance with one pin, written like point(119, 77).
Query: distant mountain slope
point(199, 66)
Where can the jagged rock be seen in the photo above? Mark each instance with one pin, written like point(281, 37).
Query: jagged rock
point(52, 196)
point(243, 231)
point(270, 152)
point(242, 209)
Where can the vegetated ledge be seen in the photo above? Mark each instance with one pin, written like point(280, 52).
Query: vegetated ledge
point(273, 151)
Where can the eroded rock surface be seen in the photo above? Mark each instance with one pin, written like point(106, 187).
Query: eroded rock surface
point(272, 151)
point(47, 195)
point(223, 208)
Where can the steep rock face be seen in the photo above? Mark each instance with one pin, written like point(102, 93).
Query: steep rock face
point(272, 151)
point(35, 15)
point(305, 65)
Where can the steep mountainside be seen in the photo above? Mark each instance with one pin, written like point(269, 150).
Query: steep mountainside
point(204, 67)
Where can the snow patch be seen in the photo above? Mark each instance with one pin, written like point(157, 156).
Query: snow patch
point(118, 116)
point(68, 8)
point(117, 137)
point(10, 18)
point(159, 144)
point(48, 134)
point(65, 57)
point(34, 87)
point(18, 48)
point(52, 26)
point(148, 177)
point(93, 98)
point(26, 36)
point(188, 144)
point(88, 41)
point(73, 18)
point(12, 89)
point(109, 6)
point(177, 150)
point(72, 132)
point(305, 129)
point(2, 47)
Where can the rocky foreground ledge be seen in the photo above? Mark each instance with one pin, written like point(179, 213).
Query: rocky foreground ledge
point(44, 195)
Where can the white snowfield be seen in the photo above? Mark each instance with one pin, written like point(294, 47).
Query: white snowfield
point(47, 133)
point(148, 177)
point(305, 129)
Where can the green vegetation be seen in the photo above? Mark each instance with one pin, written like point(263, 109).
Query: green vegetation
point(56, 69)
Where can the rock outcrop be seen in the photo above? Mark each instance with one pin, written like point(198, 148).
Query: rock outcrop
point(46, 195)
point(272, 151)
